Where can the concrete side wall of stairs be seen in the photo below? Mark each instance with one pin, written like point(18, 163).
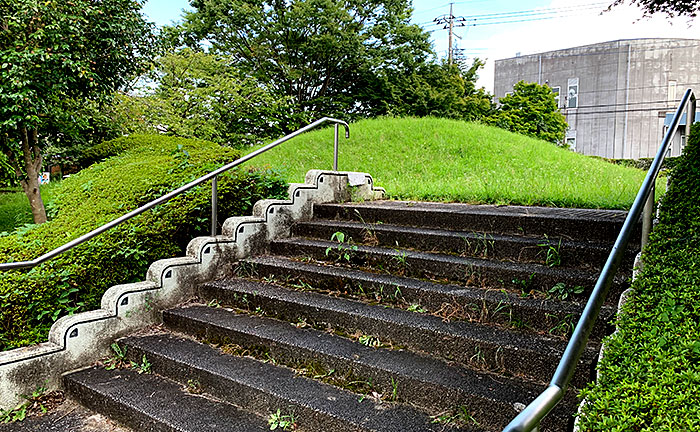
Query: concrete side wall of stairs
point(78, 340)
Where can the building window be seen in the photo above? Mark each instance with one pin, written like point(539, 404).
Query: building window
point(571, 143)
point(572, 94)
point(557, 97)
point(672, 85)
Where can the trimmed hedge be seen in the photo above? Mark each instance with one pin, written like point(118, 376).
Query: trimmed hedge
point(30, 301)
point(650, 376)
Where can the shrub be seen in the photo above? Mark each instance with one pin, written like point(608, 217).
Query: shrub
point(650, 376)
point(30, 301)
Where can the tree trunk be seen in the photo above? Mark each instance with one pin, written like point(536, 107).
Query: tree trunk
point(32, 166)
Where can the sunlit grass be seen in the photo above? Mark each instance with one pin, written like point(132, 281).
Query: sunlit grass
point(448, 160)
point(14, 206)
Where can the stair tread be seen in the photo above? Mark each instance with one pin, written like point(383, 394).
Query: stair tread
point(531, 240)
point(283, 384)
point(543, 345)
point(490, 210)
point(149, 402)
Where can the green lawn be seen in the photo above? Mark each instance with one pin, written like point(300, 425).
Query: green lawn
point(448, 160)
point(14, 206)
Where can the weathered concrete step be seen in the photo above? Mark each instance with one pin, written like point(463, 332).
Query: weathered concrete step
point(543, 250)
point(264, 388)
point(574, 224)
point(420, 380)
point(523, 277)
point(69, 416)
point(465, 303)
point(475, 344)
point(150, 403)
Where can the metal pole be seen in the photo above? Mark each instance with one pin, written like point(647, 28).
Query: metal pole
point(449, 48)
point(335, 149)
point(214, 206)
point(648, 217)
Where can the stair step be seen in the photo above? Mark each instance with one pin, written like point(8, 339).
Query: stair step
point(577, 224)
point(150, 403)
point(493, 274)
point(474, 304)
point(491, 347)
point(265, 388)
point(420, 380)
point(543, 250)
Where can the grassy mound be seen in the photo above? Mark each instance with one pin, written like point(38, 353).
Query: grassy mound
point(448, 160)
point(30, 301)
point(650, 375)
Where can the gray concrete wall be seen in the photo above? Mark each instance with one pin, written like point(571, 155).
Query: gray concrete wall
point(623, 90)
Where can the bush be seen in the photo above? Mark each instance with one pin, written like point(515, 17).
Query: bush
point(30, 301)
point(530, 110)
point(650, 376)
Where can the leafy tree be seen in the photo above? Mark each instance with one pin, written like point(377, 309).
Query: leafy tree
point(330, 56)
point(202, 95)
point(55, 55)
point(671, 8)
point(530, 110)
point(439, 90)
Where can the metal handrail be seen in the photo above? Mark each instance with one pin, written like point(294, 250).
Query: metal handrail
point(211, 176)
point(530, 418)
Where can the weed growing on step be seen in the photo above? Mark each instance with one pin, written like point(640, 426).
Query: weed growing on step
point(246, 269)
point(525, 285)
point(143, 368)
point(344, 250)
point(563, 291)
point(118, 360)
point(194, 386)
point(39, 402)
point(400, 265)
point(564, 327)
point(551, 251)
point(415, 307)
point(214, 303)
point(284, 422)
point(369, 236)
point(457, 417)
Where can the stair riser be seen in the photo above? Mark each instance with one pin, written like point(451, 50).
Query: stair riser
point(426, 395)
point(482, 273)
point(570, 228)
point(249, 398)
point(520, 249)
point(476, 353)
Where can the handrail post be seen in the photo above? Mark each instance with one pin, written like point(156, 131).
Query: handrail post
point(214, 205)
point(335, 149)
point(648, 217)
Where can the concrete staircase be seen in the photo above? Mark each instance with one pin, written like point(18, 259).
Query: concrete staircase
point(375, 316)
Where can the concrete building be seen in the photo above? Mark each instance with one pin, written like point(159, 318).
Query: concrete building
point(615, 95)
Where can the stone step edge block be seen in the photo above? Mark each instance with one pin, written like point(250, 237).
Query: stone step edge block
point(80, 339)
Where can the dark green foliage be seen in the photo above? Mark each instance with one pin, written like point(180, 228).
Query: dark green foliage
point(59, 61)
point(331, 57)
point(671, 8)
point(7, 173)
point(650, 376)
point(530, 110)
point(200, 95)
point(437, 90)
point(30, 301)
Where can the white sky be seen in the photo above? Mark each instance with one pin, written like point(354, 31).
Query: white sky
point(493, 42)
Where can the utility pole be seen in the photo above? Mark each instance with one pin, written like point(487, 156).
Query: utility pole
point(449, 23)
